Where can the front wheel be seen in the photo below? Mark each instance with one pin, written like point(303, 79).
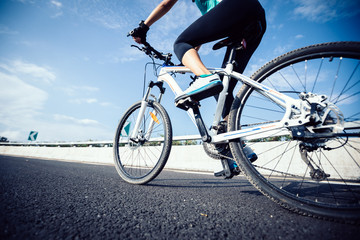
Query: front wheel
point(140, 158)
point(318, 176)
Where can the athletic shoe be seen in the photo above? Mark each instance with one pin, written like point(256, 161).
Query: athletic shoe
point(202, 87)
point(234, 170)
point(250, 153)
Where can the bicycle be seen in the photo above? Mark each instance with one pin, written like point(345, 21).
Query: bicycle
point(306, 137)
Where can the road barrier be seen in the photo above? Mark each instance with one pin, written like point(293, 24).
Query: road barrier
point(182, 157)
point(185, 157)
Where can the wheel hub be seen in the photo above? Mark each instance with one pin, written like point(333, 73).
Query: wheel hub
point(323, 116)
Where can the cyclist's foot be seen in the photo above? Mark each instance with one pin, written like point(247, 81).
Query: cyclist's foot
point(250, 153)
point(202, 87)
point(234, 170)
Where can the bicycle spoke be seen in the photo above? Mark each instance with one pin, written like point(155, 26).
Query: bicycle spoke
point(347, 97)
point(335, 79)
point(265, 109)
point(292, 88)
point(287, 170)
point(141, 158)
point(322, 172)
point(347, 82)
point(264, 101)
point(317, 74)
point(297, 76)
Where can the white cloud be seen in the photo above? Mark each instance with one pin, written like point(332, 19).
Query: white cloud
point(26, 1)
point(206, 49)
point(180, 16)
point(84, 100)
point(5, 30)
point(325, 11)
point(172, 24)
point(128, 54)
point(58, 8)
point(64, 118)
point(105, 104)
point(58, 14)
point(11, 135)
point(19, 101)
point(22, 110)
point(72, 129)
point(36, 72)
point(109, 14)
point(281, 49)
point(56, 4)
point(163, 33)
point(75, 90)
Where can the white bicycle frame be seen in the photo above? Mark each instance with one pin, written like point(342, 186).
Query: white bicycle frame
point(292, 106)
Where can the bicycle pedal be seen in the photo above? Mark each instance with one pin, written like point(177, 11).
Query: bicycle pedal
point(219, 174)
point(227, 175)
point(186, 103)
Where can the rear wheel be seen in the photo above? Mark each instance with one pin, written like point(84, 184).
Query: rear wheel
point(140, 159)
point(318, 176)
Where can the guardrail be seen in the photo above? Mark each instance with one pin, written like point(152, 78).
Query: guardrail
point(182, 157)
point(347, 125)
point(87, 143)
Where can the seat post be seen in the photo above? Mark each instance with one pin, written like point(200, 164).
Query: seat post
point(232, 55)
point(223, 94)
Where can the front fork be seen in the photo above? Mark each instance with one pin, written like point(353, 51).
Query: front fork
point(137, 135)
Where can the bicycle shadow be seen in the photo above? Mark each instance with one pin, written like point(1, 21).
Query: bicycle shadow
point(204, 183)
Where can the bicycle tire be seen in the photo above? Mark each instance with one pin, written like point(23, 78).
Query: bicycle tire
point(142, 161)
point(277, 175)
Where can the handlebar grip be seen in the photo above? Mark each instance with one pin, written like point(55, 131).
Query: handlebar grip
point(149, 50)
point(130, 33)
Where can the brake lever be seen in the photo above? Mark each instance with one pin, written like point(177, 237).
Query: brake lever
point(150, 51)
point(135, 47)
point(143, 49)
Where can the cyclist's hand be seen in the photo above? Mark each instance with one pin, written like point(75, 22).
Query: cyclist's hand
point(139, 33)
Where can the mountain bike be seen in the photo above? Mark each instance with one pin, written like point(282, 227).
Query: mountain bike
point(298, 113)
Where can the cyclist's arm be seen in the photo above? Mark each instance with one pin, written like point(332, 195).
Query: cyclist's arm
point(159, 11)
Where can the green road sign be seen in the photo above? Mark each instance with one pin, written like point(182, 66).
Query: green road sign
point(125, 130)
point(33, 135)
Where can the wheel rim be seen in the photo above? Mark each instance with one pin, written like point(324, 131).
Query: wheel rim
point(137, 158)
point(279, 159)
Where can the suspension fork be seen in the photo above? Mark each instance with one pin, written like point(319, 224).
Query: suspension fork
point(136, 134)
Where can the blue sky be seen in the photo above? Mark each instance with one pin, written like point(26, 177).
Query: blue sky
point(68, 72)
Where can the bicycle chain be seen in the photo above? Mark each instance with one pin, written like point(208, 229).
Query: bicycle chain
point(256, 166)
point(233, 159)
point(262, 123)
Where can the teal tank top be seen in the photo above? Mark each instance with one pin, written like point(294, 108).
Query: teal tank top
point(206, 5)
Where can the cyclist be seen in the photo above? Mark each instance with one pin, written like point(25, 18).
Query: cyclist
point(220, 19)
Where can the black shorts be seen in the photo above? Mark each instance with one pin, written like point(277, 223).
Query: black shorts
point(228, 18)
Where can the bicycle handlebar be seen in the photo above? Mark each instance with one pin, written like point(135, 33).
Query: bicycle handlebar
point(153, 53)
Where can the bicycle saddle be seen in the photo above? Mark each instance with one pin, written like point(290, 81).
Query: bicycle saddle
point(249, 34)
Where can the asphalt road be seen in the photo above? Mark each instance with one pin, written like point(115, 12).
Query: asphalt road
point(46, 199)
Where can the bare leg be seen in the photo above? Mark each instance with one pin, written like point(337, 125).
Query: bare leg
point(191, 59)
point(202, 87)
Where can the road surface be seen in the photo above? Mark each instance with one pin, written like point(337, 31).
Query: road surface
point(47, 199)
